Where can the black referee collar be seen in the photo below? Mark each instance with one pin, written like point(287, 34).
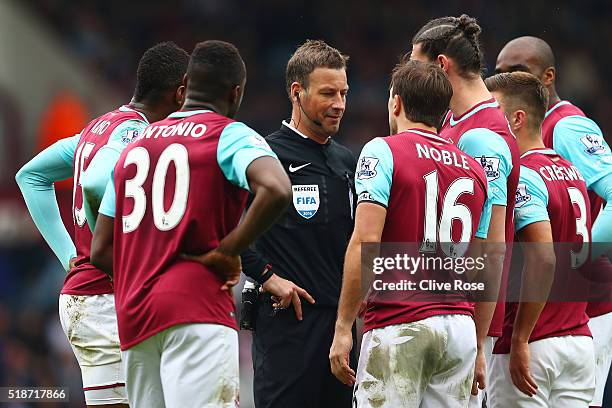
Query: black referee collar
point(287, 126)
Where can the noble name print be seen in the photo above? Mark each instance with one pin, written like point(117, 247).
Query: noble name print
point(306, 199)
point(490, 166)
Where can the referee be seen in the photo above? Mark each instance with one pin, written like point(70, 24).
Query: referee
point(307, 244)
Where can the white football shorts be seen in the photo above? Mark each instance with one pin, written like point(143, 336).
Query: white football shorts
point(601, 328)
point(562, 367)
point(90, 324)
point(189, 365)
point(428, 364)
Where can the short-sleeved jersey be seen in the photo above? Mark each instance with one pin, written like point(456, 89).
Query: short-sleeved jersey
point(578, 139)
point(115, 128)
point(483, 133)
point(418, 176)
point(181, 187)
point(552, 189)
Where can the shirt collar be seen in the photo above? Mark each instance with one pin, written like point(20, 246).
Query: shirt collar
point(548, 152)
point(426, 133)
point(302, 135)
point(126, 108)
point(185, 114)
point(555, 106)
point(489, 103)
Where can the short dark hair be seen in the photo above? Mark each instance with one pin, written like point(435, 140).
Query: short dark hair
point(424, 90)
point(215, 68)
point(524, 90)
point(161, 69)
point(456, 37)
point(309, 56)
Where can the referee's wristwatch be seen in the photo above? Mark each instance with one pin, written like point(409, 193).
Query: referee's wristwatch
point(265, 274)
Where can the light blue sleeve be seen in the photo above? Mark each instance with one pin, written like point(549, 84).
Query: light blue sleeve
point(374, 173)
point(531, 199)
point(485, 219)
point(602, 227)
point(491, 151)
point(95, 178)
point(579, 140)
point(35, 179)
point(239, 146)
point(107, 206)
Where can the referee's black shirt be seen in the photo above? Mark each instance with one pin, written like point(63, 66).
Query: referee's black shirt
point(308, 242)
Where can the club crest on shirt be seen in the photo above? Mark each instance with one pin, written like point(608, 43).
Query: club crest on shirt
point(594, 143)
point(129, 135)
point(490, 166)
point(366, 168)
point(521, 195)
point(306, 199)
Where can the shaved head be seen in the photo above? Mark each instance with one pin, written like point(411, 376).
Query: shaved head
point(530, 54)
point(533, 55)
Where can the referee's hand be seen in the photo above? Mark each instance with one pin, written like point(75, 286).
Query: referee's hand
point(285, 292)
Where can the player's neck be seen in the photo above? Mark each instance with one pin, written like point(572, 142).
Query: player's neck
point(152, 112)
point(553, 98)
point(404, 124)
point(529, 140)
point(145, 109)
point(194, 104)
point(467, 94)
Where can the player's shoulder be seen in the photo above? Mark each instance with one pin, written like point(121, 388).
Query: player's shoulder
point(531, 177)
point(577, 124)
point(484, 137)
point(562, 109)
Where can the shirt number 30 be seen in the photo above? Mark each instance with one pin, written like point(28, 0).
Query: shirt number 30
point(164, 220)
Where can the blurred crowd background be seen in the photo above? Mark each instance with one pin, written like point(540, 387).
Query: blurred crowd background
point(65, 62)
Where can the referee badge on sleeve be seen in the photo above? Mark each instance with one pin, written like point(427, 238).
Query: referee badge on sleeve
point(306, 199)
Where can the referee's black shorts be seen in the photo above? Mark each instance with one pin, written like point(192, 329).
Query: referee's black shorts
point(291, 359)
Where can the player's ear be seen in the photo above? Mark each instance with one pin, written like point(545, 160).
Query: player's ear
point(519, 119)
point(443, 62)
point(179, 95)
point(397, 105)
point(236, 95)
point(548, 76)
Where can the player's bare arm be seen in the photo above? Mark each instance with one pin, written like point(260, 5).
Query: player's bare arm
point(369, 224)
point(538, 275)
point(271, 188)
point(495, 248)
point(102, 244)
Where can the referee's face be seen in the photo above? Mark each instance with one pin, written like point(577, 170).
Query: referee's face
point(326, 98)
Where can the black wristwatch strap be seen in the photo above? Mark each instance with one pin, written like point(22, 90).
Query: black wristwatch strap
point(265, 274)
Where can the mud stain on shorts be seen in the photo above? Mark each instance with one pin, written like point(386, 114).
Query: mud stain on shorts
point(75, 309)
point(228, 393)
point(401, 362)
